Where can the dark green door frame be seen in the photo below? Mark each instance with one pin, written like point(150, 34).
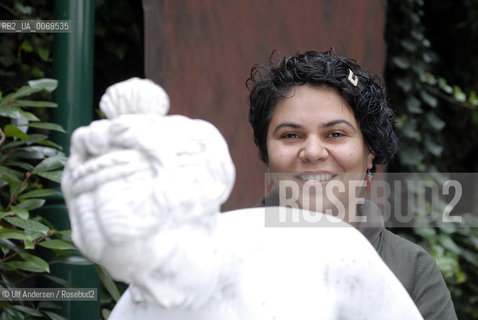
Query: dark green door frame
point(73, 68)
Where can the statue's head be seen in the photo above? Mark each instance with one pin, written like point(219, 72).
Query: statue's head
point(140, 172)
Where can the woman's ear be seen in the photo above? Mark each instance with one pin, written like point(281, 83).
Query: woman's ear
point(370, 158)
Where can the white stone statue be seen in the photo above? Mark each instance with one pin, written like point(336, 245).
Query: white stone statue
point(144, 191)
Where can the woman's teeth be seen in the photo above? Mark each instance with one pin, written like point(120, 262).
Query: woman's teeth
point(316, 177)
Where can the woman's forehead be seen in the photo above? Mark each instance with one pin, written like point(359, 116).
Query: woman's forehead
point(320, 105)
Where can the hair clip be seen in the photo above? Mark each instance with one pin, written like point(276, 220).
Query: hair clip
point(353, 79)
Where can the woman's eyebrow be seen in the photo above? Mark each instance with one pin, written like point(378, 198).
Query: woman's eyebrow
point(287, 125)
point(335, 122)
point(324, 125)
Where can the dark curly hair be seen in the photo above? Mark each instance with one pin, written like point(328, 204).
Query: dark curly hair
point(270, 83)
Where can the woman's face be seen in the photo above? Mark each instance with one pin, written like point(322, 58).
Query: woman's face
point(314, 141)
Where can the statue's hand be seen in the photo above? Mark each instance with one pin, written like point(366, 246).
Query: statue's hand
point(108, 181)
point(108, 190)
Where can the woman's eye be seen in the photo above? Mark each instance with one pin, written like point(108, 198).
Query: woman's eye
point(290, 136)
point(336, 134)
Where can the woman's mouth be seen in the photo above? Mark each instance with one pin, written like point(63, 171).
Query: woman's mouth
point(315, 177)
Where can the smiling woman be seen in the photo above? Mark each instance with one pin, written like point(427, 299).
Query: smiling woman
point(322, 125)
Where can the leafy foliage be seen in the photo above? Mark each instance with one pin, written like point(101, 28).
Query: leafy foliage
point(438, 123)
point(28, 158)
point(27, 161)
point(25, 56)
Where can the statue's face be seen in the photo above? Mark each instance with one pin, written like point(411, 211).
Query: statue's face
point(194, 165)
point(314, 139)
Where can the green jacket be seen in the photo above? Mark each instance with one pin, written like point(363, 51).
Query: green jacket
point(412, 265)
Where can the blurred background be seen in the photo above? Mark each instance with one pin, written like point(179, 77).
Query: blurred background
point(201, 52)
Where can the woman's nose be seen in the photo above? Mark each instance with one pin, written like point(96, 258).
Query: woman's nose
point(313, 150)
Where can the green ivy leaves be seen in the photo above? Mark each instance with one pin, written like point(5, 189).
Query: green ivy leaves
point(435, 123)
